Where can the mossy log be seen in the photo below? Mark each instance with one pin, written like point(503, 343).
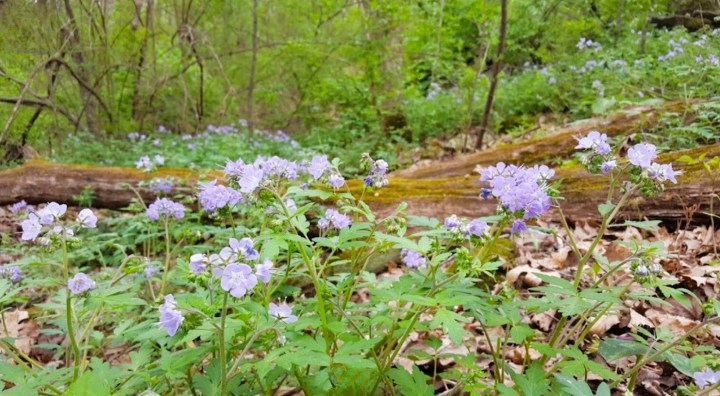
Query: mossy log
point(582, 192)
point(560, 144)
point(41, 181)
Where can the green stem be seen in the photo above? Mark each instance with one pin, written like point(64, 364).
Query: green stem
point(649, 358)
point(223, 355)
point(167, 258)
point(69, 312)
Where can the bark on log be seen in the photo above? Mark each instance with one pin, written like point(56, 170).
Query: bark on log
point(40, 181)
point(545, 149)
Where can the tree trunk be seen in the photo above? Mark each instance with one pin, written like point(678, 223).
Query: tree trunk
point(253, 66)
point(497, 67)
point(78, 56)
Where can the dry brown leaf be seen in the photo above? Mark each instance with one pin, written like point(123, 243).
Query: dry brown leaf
point(544, 320)
point(20, 328)
point(677, 324)
point(604, 324)
point(636, 320)
point(529, 279)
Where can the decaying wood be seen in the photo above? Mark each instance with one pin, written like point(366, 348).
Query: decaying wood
point(40, 181)
point(545, 149)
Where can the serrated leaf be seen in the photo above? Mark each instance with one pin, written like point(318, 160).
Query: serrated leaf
point(415, 384)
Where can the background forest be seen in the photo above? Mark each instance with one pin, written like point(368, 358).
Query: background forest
point(349, 75)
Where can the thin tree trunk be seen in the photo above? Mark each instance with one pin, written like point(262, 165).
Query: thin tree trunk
point(78, 57)
point(253, 65)
point(138, 114)
point(643, 38)
point(619, 20)
point(497, 66)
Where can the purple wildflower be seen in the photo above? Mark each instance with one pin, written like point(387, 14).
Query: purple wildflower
point(234, 169)
point(452, 222)
point(642, 154)
point(170, 317)
point(323, 223)
point(165, 208)
point(318, 166)
point(476, 227)
point(51, 212)
point(337, 219)
point(12, 272)
point(518, 227)
point(706, 377)
point(282, 312)
point(18, 206)
point(336, 181)
point(238, 279)
point(519, 188)
point(608, 166)
point(87, 218)
point(291, 206)
point(31, 228)
point(244, 246)
point(150, 271)
point(215, 196)
point(161, 185)
point(251, 178)
point(144, 164)
point(663, 172)
point(198, 263)
point(413, 259)
point(264, 271)
point(596, 141)
point(81, 283)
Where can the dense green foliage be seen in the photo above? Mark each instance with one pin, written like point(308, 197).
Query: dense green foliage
point(367, 74)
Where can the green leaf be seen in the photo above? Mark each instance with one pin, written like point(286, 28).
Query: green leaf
point(89, 384)
point(532, 382)
point(613, 349)
point(648, 225)
point(573, 387)
point(605, 209)
point(521, 332)
point(415, 384)
point(450, 323)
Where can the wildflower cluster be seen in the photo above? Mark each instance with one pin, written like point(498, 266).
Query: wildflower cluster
point(413, 259)
point(377, 176)
point(50, 218)
point(11, 272)
point(19, 207)
point(166, 209)
point(586, 43)
point(81, 283)
point(170, 317)
point(161, 185)
point(147, 165)
point(334, 219)
point(462, 228)
point(523, 192)
point(640, 157)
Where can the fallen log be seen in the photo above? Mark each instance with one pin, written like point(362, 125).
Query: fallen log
point(41, 181)
point(545, 149)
